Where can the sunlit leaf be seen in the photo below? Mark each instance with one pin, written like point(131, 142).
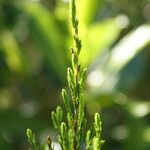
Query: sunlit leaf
point(97, 38)
point(12, 51)
point(88, 10)
point(129, 46)
point(121, 54)
point(48, 37)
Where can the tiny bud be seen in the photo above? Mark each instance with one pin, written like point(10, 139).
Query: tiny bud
point(78, 68)
point(72, 50)
point(49, 141)
point(77, 21)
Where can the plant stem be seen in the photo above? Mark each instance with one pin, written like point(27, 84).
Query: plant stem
point(76, 70)
point(71, 134)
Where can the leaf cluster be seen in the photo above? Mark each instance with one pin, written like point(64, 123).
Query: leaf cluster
point(71, 134)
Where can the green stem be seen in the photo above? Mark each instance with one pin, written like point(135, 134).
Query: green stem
point(76, 71)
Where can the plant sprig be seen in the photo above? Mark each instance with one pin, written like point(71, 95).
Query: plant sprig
point(71, 134)
point(31, 139)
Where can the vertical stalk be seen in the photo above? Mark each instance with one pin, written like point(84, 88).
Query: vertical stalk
point(76, 97)
point(70, 134)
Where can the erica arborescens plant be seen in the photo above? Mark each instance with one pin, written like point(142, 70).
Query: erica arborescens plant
point(72, 133)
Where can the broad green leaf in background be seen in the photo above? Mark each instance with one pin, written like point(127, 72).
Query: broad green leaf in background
point(97, 38)
point(88, 9)
point(121, 54)
point(13, 54)
point(45, 28)
point(129, 46)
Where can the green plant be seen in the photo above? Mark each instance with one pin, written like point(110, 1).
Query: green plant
point(72, 133)
point(31, 139)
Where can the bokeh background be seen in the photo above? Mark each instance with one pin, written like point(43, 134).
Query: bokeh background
point(35, 37)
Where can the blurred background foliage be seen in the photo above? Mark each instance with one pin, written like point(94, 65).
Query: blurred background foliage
point(35, 38)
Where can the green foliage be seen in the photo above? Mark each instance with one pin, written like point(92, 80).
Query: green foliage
point(97, 142)
point(57, 117)
point(31, 139)
point(35, 145)
point(93, 137)
point(34, 43)
point(71, 134)
point(47, 28)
